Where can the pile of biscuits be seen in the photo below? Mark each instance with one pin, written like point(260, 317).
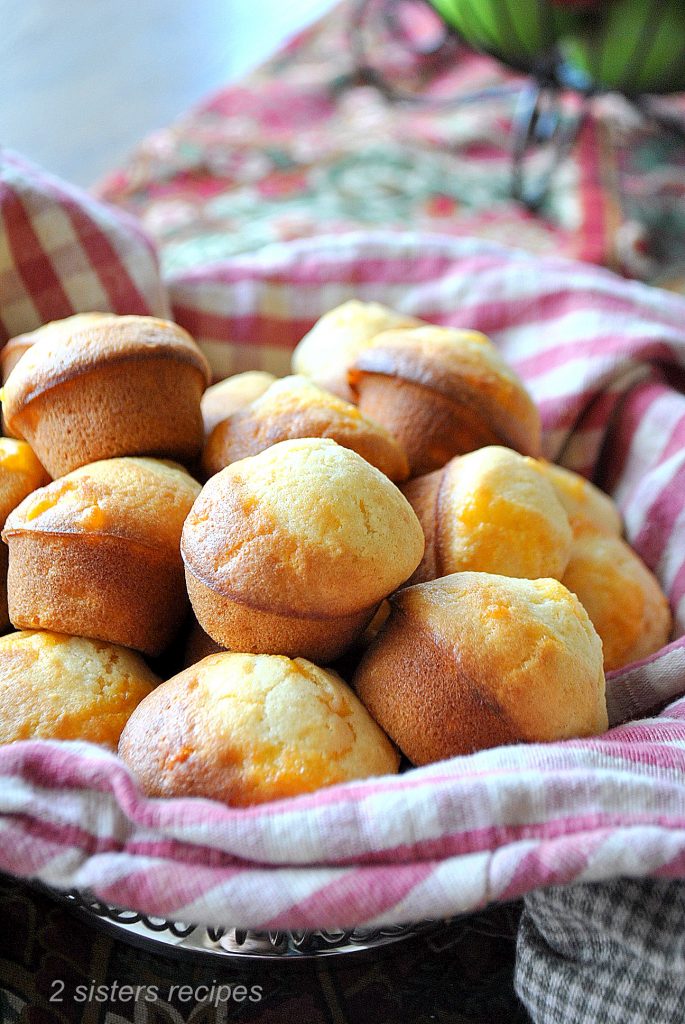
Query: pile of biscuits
point(382, 516)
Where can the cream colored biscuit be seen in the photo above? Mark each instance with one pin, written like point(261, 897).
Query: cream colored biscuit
point(127, 385)
point(476, 660)
point(145, 500)
point(306, 536)
point(443, 392)
point(20, 474)
point(621, 596)
point(68, 688)
point(329, 349)
point(96, 553)
point(490, 511)
point(296, 407)
point(225, 398)
point(246, 729)
point(56, 329)
point(582, 500)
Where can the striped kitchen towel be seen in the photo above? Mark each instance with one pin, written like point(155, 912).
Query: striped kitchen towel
point(605, 359)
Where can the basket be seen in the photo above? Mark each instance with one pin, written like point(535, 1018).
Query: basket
point(604, 359)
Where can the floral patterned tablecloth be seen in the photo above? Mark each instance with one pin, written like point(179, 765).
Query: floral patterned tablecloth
point(306, 146)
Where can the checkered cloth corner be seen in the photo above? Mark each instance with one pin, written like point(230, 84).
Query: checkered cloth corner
point(63, 252)
point(611, 952)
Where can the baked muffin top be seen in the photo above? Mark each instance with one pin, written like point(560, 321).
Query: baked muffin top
point(461, 365)
point(55, 329)
point(296, 407)
point(496, 513)
point(248, 728)
point(338, 336)
point(60, 355)
point(223, 399)
point(61, 687)
point(140, 499)
point(20, 474)
point(581, 499)
point(305, 527)
point(622, 597)
point(504, 633)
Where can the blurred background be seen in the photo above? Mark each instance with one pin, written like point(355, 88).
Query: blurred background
point(82, 81)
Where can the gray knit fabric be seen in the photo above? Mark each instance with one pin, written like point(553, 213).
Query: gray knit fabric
point(609, 953)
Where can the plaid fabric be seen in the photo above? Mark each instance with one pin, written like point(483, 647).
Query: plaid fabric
point(613, 953)
point(62, 252)
point(604, 358)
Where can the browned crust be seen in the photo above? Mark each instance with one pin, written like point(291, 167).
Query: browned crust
point(432, 429)
point(4, 611)
point(148, 407)
point(159, 741)
point(422, 694)
point(13, 351)
point(105, 588)
point(477, 398)
point(247, 433)
point(423, 493)
point(241, 627)
point(170, 754)
point(113, 340)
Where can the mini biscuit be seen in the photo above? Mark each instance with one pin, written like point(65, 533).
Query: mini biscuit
point(443, 392)
point(291, 551)
point(246, 729)
point(622, 597)
point(223, 399)
point(326, 353)
point(490, 511)
point(127, 385)
point(56, 329)
point(583, 501)
point(56, 687)
point(295, 407)
point(20, 473)
point(476, 660)
point(96, 553)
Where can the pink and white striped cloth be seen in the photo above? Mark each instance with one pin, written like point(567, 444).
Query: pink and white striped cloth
point(605, 360)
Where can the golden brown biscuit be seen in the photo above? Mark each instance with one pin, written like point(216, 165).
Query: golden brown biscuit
point(490, 511)
point(295, 407)
point(96, 553)
point(20, 473)
point(622, 597)
point(68, 688)
point(476, 660)
point(223, 399)
point(326, 353)
point(56, 329)
point(582, 500)
point(443, 392)
point(291, 551)
point(246, 729)
point(128, 385)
